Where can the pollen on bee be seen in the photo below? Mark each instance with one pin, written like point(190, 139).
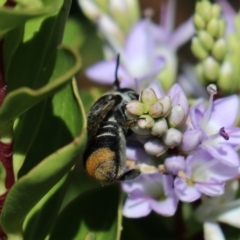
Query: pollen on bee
point(100, 163)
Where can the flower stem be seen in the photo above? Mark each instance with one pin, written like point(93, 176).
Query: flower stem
point(6, 141)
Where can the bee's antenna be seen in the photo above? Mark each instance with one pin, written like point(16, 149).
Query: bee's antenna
point(116, 83)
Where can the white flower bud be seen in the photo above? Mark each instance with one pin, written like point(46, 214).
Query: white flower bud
point(148, 96)
point(191, 140)
point(172, 137)
point(110, 30)
point(141, 132)
point(160, 127)
point(177, 116)
point(133, 10)
point(90, 9)
point(116, 5)
point(167, 105)
point(145, 121)
point(156, 109)
point(155, 147)
point(118, 13)
point(136, 108)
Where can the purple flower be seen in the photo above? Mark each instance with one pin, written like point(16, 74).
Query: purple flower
point(168, 36)
point(206, 175)
point(215, 123)
point(145, 52)
point(178, 97)
point(191, 140)
point(139, 60)
point(175, 164)
point(135, 152)
point(150, 192)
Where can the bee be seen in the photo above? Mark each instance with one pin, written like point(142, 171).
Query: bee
point(108, 127)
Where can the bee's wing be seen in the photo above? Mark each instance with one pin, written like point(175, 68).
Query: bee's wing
point(98, 112)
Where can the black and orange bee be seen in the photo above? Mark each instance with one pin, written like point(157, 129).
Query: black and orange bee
point(108, 128)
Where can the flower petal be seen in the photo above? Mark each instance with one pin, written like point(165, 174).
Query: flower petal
point(104, 72)
point(234, 136)
point(185, 192)
point(178, 97)
point(140, 56)
point(224, 153)
point(231, 216)
point(138, 154)
point(156, 86)
point(209, 170)
point(139, 44)
point(182, 34)
point(224, 113)
point(136, 208)
point(166, 207)
point(212, 231)
point(213, 190)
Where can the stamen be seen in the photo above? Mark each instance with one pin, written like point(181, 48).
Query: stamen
point(147, 169)
point(182, 175)
point(212, 90)
point(161, 169)
point(223, 133)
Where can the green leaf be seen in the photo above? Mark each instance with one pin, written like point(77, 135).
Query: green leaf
point(28, 122)
point(74, 34)
point(90, 236)
point(32, 186)
point(61, 122)
point(153, 226)
point(45, 211)
point(13, 17)
point(67, 65)
point(97, 211)
point(31, 63)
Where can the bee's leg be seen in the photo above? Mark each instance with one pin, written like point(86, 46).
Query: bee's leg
point(122, 119)
point(129, 175)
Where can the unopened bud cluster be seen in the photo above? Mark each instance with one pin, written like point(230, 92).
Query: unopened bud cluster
point(114, 18)
point(157, 117)
point(209, 44)
point(229, 80)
